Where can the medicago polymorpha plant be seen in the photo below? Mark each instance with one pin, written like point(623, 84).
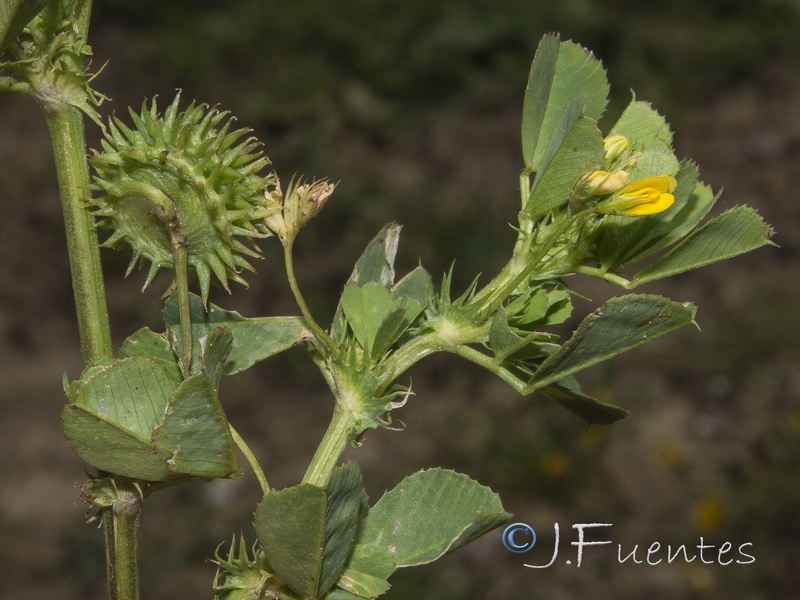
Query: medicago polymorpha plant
point(181, 188)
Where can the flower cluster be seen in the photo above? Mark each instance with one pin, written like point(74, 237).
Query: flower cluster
point(610, 191)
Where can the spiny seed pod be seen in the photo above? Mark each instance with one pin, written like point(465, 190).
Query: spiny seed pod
point(183, 179)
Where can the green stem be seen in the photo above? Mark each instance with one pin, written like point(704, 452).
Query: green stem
point(121, 526)
point(490, 364)
point(502, 289)
point(407, 355)
point(610, 277)
point(69, 148)
point(251, 459)
point(180, 256)
point(298, 296)
point(333, 443)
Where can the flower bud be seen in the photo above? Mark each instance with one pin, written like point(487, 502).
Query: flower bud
point(614, 146)
point(600, 183)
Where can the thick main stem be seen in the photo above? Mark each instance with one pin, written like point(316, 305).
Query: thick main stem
point(121, 526)
point(333, 443)
point(69, 149)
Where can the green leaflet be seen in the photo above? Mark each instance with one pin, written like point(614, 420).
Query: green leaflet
point(376, 317)
point(377, 309)
point(653, 163)
point(149, 344)
point(290, 525)
point(644, 128)
point(623, 323)
point(307, 532)
point(513, 353)
point(253, 339)
point(132, 393)
point(367, 571)
point(429, 514)
point(560, 74)
point(195, 432)
point(376, 264)
point(567, 393)
point(577, 148)
point(734, 232)
point(110, 448)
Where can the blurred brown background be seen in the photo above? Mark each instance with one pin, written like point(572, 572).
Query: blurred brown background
point(414, 107)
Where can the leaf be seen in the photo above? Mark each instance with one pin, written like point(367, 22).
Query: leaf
point(149, 344)
point(14, 16)
point(643, 127)
point(377, 320)
point(110, 448)
point(429, 514)
point(253, 339)
point(131, 393)
point(133, 417)
point(367, 571)
point(654, 163)
point(623, 323)
point(346, 504)
point(587, 408)
point(377, 261)
point(290, 525)
point(560, 74)
point(307, 533)
point(580, 151)
point(376, 264)
point(215, 349)
point(195, 432)
point(366, 308)
point(734, 232)
point(502, 340)
point(529, 307)
point(417, 285)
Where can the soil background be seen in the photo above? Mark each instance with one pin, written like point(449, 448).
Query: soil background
point(414, 108)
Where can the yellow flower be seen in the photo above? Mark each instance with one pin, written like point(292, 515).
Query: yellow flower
point(646, 196)
point(614, 146)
